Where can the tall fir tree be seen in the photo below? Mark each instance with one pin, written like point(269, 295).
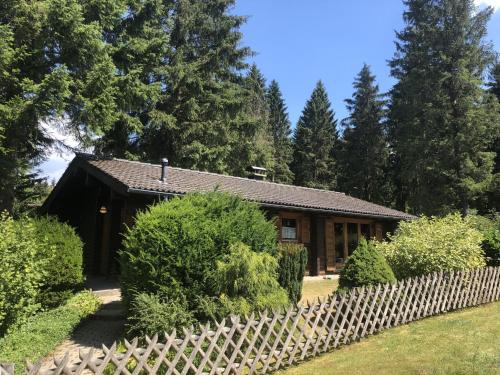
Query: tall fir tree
point(55, 66)
point(493, 198)
point(203, 97)
point(441, 118)
point(364, 156)
point(252, 143)
point(315, 138)
point(281, 130)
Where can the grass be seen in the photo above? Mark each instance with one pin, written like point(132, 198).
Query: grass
point(462, 342)
point(36, 338)
point(313, 289)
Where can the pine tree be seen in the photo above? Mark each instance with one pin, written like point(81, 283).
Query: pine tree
point(364, 157)
point(441, 118)
point(314, 141)
point(493, 199)
point(281, 131)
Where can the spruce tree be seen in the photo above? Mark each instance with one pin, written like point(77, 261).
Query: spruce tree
point(441, 118)
point(281, 131)
point(493, 198)
point(251, 142)
point(54, 67)
point(363, 163)
point(314, 140)
point(202, 102)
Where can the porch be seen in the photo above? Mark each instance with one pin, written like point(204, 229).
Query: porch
point(330, 239)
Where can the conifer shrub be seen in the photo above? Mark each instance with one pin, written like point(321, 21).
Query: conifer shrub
point(246, 281)
point(64, 270)
point(426, 245)
point(173, 248)
point(291, 269)
point(366, 266)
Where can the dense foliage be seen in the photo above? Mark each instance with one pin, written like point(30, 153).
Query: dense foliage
point(433, 244)
point(64, 254)
point(490, 229)
point(366, 266)
point(281, 131)
point(291, 269)
point(39, 335)
point(442, 120)
point(247, 281)
point(314, 140)
point(173, 248)
point(150, 314)
point(21, 271)
point(364, 157)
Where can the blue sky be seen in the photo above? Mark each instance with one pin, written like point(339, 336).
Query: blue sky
point(299, 42)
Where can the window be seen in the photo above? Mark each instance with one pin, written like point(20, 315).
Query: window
point(289, 229)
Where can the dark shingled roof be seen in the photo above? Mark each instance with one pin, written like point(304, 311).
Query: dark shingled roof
point(143, 177)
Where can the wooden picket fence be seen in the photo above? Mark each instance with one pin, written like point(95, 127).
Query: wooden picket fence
point(269, 341)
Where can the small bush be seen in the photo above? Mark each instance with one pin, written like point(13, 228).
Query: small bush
point(427, 245)
point(40, 334)
point(366, 266)
point(21, 271)
point(246, 281)
point(490, 228)
point(149, 315)
point(64, 270)
point(291, 269)
point(174, 246)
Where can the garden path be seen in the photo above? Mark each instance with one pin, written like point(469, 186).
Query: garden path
point(104, 327)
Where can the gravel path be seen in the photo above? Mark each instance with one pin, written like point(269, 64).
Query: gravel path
point(104, 327)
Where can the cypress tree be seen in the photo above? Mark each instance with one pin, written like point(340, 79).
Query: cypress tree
point(364, 157)
point(441, 118)
point(281, 131)
point(314, 141)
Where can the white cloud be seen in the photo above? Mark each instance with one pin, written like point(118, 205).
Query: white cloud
point(493, 3)
point(61, 153)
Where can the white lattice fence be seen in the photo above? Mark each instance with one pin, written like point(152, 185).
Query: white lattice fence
point(268, 341)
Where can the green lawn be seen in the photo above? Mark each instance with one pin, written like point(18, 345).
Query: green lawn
point(462, 342)
point(313, 289)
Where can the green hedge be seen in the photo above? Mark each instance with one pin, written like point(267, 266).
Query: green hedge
point(291, 269)
point(64, 271)
point(366, 266)
point(174, 246)
point(41, 333)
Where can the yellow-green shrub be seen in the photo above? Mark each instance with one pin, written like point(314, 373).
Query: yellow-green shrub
point(21, 271)
point(433, 244)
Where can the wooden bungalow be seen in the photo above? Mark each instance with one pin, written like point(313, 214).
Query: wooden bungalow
point(99, 196)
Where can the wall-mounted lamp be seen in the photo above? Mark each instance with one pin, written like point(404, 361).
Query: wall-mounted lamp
point(103, 210)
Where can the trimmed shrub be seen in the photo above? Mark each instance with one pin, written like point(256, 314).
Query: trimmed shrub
point(64, 271)
point(427, 245)
point(291, 269)
point(173, 248)
point(246, 281)
point(366, 266)
point(40, 334)
point(150, 315)
point(21, 271)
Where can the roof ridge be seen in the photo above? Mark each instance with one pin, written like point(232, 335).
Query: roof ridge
point(235, 177)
